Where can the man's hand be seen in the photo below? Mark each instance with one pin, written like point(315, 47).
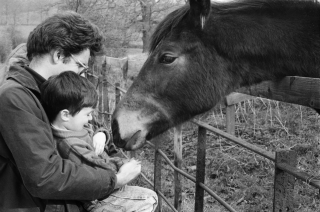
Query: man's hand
point(99, 141)
point(128, 172)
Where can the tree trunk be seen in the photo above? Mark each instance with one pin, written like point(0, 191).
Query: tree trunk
point(146, 11)
point(7, 8)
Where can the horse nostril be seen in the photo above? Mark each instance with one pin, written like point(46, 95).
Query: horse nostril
point(116, 135)
point(148, 137)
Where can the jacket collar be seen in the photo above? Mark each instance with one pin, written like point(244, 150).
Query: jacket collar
point(26, 77)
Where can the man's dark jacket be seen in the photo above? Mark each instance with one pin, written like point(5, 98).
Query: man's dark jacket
point(31, 171)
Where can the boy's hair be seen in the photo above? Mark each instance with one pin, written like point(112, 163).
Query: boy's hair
point(68, 91)
point(68, 32)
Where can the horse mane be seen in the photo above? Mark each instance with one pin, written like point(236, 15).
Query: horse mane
point(219, 8)
point(166, 25)
point(244, 5)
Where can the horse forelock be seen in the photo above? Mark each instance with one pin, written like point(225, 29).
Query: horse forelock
point(166, 26)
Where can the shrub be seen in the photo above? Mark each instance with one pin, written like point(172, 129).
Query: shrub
point(5, 46)
point(16, 36)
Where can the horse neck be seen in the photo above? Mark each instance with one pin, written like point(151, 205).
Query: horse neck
point(265, 46)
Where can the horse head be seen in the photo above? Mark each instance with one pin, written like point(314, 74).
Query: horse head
point(199, 54)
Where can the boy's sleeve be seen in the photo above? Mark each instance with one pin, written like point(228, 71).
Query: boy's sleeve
point(81, 152)
point(109, 147)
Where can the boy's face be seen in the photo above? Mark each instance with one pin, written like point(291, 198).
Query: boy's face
point(79, 120)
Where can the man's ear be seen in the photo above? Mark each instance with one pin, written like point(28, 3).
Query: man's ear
point(57, 56)
point(64, 115)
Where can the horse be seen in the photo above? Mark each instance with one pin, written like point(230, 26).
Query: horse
point(203, 51)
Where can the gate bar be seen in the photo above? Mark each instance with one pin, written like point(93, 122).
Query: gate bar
point(178, 163)
point(309, 179)
point(157, 172)
point(271, 156)
point(201, 170)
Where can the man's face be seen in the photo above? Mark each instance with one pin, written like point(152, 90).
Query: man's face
point(79, 120)
point(76, 62)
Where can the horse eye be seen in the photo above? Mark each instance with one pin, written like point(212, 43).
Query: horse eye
point(167, 59)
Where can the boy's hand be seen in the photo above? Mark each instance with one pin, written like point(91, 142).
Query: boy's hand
point(99, 141)
point(128, 172)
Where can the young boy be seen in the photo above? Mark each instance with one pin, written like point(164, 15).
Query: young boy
point(69, 101)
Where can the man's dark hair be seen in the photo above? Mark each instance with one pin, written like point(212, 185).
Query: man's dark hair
point(68, 91)
point(68, 32)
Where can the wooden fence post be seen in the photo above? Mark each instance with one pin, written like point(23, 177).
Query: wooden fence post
point(230, 101)
point(230, 119)
point(105, 73)
point(201, 166)
point(101, 116)
point(178, 164)
point(117, 93)
point(157, 171)
point(284, 182)
point(104, 95)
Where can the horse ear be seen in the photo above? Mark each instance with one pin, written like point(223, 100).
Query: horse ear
point(199, 11)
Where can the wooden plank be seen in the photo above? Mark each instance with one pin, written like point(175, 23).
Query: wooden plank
point(234, 98)
point(284, 182)
point(296, 90)
point(201, 166)
point(178, 164)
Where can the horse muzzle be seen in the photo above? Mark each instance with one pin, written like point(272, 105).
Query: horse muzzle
point(136, 141)
point(129, 131)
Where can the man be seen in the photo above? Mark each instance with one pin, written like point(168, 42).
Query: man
point(33, 177)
